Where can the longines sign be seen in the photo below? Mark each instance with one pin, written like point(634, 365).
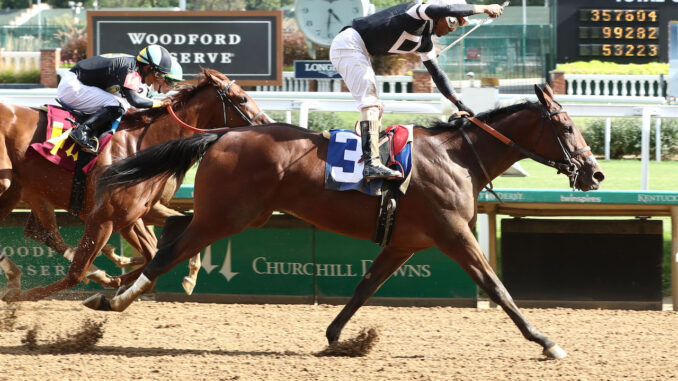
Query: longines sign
point(246, 46)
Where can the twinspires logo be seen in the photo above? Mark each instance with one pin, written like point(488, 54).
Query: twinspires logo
point(315, 70)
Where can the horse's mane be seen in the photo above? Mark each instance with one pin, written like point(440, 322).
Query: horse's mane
point(141, 118)
point(487, 116)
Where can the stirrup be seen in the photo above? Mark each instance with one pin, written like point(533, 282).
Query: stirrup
point(92, 147)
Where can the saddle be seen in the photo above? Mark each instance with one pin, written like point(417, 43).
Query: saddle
point(61, 151)
point(344, 171)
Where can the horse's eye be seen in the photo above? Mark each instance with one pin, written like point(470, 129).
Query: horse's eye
point(243, 99)
point(569, 129)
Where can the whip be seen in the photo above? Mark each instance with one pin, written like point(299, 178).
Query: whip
point(485, 21)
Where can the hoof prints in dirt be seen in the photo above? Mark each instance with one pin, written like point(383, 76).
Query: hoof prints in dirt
point(358, 346)
point(82, 341)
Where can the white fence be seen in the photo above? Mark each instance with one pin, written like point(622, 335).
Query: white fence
point(19, 61)
point(615, 85)
point(427, 103)
point(387, 84)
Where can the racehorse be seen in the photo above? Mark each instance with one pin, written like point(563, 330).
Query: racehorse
point(214, 101)
point(247, 173)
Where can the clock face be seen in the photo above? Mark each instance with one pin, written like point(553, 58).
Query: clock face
point(321, 20)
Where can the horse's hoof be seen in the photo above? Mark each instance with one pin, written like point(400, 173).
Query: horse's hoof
point(189, 285)
point(97, 302)
point(555, 352)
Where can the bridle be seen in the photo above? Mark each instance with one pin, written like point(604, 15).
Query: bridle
point(223, 96)
point(566, 165)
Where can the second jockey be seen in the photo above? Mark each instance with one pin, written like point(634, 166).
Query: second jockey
point(105, 85)
point(404, 28)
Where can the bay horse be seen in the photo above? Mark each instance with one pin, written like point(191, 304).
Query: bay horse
point(247, 173)
point(214, 101)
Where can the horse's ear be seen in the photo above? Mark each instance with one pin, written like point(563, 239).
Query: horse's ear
point(540, 95)
point(548, 91)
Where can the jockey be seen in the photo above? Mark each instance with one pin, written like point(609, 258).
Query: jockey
point(106, 85)
point(171, 79)
point(404, 28)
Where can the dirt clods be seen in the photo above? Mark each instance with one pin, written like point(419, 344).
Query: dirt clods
point(81, 341)
point(358, 346)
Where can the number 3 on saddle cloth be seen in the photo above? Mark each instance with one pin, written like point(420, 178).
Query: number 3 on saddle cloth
point(344, 168)
point(58, 148)
point(344, 171)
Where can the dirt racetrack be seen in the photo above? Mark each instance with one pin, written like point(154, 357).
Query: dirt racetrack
point(190, 341)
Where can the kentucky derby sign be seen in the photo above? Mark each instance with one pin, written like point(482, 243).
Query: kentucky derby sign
point(315, 70)
point(246, 46)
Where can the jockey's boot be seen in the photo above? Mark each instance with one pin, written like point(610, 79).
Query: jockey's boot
point(374, 169)
point(86, 133)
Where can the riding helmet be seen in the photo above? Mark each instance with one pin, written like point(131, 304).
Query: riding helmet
point(157, 57)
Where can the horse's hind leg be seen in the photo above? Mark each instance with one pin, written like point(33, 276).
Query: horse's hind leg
point(195, 238)
point(386, 263)
point(464, 249)
point(8, 201)
point(174, 226)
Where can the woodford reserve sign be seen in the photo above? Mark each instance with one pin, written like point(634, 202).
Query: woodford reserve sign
point(246, 46)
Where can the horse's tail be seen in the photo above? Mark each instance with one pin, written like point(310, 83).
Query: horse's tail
point(173, 158)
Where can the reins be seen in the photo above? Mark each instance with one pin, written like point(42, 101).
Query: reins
point(566, 166)
point(222, 93)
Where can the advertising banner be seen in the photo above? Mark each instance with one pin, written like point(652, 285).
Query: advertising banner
point(246, 46)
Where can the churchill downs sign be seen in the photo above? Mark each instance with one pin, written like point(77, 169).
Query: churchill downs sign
point(246, 46)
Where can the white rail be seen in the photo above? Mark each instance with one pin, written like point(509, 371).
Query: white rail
point(427, 103)
point(615, 85)
point(19, 61)
point(387, 84)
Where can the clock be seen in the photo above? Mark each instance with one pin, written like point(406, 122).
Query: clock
point(321, 20)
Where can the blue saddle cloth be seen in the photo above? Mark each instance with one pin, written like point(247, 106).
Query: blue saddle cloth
point(344, 170)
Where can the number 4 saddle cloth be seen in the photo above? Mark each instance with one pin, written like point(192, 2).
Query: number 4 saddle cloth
point(344, 167)
point(58, 148)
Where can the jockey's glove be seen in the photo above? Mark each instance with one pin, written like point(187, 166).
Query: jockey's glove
point(462, 107)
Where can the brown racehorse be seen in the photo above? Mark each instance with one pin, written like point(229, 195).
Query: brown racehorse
point(214, 101)
point(247, 173)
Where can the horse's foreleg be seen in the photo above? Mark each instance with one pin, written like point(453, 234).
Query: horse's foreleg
point(387, 262)
point(42, 227)
point(193, 268)
point(8, 201)
point(464, 248)
point(192, 241)
point(94, 238)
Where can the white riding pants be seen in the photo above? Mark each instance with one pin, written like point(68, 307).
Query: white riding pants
point(87, 99)
point(351, 59)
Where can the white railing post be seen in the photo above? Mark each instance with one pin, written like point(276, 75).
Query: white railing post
point(608, 137)
point(658, 139)
point(645, 149)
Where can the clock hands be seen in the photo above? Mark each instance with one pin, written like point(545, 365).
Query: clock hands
point(335, 15)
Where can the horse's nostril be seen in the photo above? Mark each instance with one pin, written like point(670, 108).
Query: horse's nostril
point(600, 176)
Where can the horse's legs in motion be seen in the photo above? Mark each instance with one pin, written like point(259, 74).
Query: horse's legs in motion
point(42, 227)
point(465, 250)
point(93, 240)
point(143, 240)
point(174, 226)
point(195, 238)
point(8, 201)
point(386, 263)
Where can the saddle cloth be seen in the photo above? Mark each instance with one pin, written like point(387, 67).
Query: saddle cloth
point(58, 148)
point(344, 167)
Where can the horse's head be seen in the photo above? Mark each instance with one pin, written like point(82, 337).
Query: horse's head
point(244, 110)
point(217, 101)
point(561, 142)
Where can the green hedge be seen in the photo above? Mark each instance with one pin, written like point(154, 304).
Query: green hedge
point(599, 67)
point(625, 137)
point(23, 76)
